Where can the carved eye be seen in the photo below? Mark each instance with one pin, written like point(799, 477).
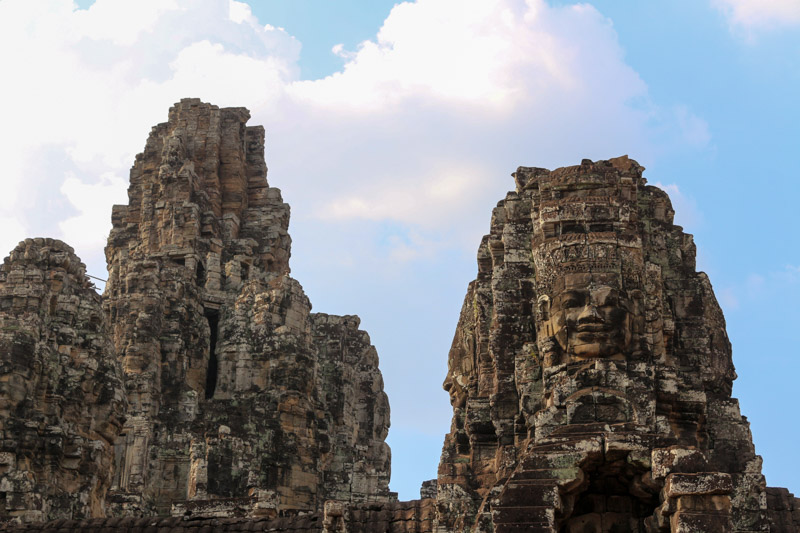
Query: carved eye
point(611, 300)
point(571, 299)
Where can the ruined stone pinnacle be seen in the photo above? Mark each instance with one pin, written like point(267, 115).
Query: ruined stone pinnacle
point(590, 373)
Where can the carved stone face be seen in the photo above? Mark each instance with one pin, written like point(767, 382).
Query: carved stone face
point(255, 146)
point(590, 317)
point(17, 372)
point(174, 150)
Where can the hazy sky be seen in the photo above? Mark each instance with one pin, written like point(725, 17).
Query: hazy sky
point(392, 131)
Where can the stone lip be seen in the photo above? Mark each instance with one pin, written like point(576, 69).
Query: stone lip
point(47, 252)
point(311, 523)
point(622, 166)
point(411, 516)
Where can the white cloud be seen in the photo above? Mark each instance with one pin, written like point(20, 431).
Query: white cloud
point(239, 12)
point(423, 202)
point(412, 246)
point(84, 87)
point(463, 91)
point(120, 23)
point(338, 50)
point(493, 54)
point(758, 288)
point(421, 127)
point(760, 14)
point(88, 229)
point(13, 232)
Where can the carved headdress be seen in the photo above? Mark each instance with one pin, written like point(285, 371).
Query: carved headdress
point(586, 220)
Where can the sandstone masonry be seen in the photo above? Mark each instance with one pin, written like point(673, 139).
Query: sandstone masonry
point(62, 401)
point(590, 373)
point(237, 391)
point(237, 400)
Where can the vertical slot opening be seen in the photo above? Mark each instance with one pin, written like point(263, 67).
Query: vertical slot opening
point(201, 274)
point(212, 316)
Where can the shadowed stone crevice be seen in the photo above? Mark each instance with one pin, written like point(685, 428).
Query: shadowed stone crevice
point(212, 316)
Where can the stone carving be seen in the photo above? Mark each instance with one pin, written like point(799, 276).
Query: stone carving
point(589, 315)
point(204, 385)
point(62, 402)
point(590, 373)
point(237, 391)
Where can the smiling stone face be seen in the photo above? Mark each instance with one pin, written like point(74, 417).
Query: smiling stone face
point(590, 317)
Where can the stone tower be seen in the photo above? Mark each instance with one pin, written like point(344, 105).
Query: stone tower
point(62, 402)
point(590, 374)
point(241, 400)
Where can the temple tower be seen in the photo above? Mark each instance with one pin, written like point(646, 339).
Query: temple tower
point(239, 395)
point(591, 374)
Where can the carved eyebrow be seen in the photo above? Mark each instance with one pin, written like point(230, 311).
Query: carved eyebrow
point(612, 296)
point(578, 296)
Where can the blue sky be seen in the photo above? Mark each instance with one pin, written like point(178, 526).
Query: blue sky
point(392, 133)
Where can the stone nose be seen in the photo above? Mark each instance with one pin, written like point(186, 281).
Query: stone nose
point(589, 314)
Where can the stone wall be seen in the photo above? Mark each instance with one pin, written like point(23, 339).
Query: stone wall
point(201, 383)
point(62, 402)
point(397, 517)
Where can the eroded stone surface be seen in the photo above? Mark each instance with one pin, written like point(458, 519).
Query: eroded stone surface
point(236, 390)
point(590, 374)
point(62, 401)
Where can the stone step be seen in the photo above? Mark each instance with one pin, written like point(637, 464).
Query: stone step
point(528, 514)
point(524, 528)
point(530, 492)
point(547, 475)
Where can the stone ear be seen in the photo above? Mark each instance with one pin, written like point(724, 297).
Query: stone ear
point(637, 297)
point(543, 304)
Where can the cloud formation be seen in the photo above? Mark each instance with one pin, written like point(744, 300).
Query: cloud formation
point(421, 126)
point(83, 87)
point(760, 14)
point(424, 123)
